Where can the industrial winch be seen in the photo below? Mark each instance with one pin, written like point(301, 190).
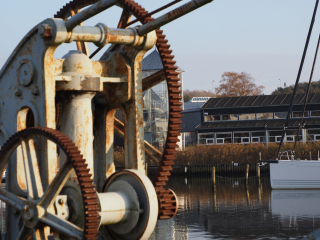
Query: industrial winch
point(57, 124)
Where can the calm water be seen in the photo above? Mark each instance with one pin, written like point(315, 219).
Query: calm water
point(234, 211)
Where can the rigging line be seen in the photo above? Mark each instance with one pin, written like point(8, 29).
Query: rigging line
point(307, 94)
point(298, 76)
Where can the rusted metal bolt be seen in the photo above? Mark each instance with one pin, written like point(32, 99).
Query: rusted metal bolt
point(61, 201)
point(45, 31)
point(26, 208)
point(18, 93)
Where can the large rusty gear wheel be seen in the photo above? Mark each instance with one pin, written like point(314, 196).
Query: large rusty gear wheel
point(36, 225)
point(167, 199)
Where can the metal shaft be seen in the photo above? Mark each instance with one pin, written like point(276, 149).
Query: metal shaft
point(89, 12)
point(172, 15)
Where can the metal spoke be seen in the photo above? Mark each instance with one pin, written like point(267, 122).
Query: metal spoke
point(32, 172)
point(150, 150)
point(56, 185)
point(125, 18)
point(153, 80)
point(25, 233)
point(62, 226)
point(42, 233)
point(12, 199)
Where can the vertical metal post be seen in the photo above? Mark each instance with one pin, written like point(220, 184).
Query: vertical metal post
point(103, 145)
point(76, 123)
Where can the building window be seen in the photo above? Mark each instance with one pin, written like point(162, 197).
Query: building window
point(210, 141)
point(290, 138)
point(280, 115)
point(258, 137)
point(314, 113)
point(247, 116)
point(264, 115)
point(230, 117)
point(223, 138)
point(292, 134)
point(313, 134)
point(299, 114)
point(203, 137)
point(275, 136)
point(241, 137)
point(212, 118)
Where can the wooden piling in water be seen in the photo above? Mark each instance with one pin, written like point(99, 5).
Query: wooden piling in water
point(247, 172)
point(214, 176)
point(258, 170)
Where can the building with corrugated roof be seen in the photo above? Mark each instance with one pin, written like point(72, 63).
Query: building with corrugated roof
point(254, 119)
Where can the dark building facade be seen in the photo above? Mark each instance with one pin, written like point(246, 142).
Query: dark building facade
point(256, 119)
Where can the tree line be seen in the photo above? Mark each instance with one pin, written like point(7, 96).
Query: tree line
point(302, 88)
point(233, 84)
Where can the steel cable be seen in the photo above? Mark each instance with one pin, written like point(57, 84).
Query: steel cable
point(298, 76)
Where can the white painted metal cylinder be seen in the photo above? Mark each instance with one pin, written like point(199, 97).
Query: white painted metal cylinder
point(116, 207)
point(128, 36)
point(76, 123)
point(85, 34)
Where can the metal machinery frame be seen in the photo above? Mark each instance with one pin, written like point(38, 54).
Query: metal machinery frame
point(63, 184)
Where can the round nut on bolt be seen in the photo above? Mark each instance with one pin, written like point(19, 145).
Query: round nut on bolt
point(45, 31)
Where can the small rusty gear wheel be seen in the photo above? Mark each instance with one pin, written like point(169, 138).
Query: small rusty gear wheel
point(167, 200)
point(37, 208)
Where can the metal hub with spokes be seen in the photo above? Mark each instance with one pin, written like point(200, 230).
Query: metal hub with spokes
point(36, 207)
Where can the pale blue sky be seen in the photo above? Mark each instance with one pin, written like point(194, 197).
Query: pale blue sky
point(263, 38)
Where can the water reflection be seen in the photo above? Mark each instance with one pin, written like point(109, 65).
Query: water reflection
point(236, 210)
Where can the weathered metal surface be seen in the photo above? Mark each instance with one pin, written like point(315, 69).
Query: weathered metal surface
point(36, 207)
point(147, 198)
point(119, 36)
point(76, 123)
point(62, 208)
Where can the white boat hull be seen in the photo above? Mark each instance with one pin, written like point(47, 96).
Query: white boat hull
point(295, 174)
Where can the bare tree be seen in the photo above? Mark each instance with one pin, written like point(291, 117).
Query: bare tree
point(233, 84)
